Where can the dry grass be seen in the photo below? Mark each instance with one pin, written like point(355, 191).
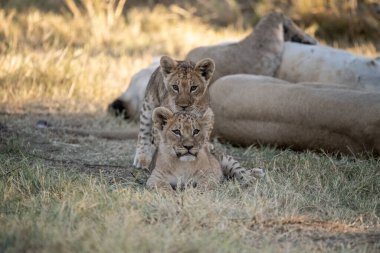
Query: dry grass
point(47, 57)
point(65, 194)
point(89, 54)
point(61, 193)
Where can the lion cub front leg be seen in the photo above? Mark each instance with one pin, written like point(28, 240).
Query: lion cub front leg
point(145, 148)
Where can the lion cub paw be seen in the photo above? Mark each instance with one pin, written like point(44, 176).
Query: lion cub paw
point(143, 158)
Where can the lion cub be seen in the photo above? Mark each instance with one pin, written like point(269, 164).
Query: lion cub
point(183, 156)
point(177, 85)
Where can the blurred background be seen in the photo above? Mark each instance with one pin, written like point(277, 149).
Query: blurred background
point(80, 54)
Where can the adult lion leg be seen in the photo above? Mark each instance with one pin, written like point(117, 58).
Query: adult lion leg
point(294, 33)
point(266, 43)
point(284, 29)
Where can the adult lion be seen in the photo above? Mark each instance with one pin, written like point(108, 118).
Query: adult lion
point(301, 63)
point(251, 110)
point(260, 53)
point(304, 63)
point(270, 50)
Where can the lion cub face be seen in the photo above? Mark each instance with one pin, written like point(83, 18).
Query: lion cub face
point(186, 82)
point(182, 134)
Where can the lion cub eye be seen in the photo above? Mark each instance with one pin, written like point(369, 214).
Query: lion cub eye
point(193, 88)
point(196, 131)
point(175, 87)
point(177, 132)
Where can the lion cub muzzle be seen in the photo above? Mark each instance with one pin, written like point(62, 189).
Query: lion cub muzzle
point(189, 146)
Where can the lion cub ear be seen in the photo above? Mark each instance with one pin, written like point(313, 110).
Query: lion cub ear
point(160, 117)
point(167, 65)
point(207, 122)
point(205, 68)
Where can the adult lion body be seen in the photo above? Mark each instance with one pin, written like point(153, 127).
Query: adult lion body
point(270, 51)
point(259, 53)
point(310, 63)
point(301, 116)
point(301, 63)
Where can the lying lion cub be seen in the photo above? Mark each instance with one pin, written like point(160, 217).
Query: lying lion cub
point(183, 156)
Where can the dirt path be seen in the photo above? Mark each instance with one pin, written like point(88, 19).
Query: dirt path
point(111, 158)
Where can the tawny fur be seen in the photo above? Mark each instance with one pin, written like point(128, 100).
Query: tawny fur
point(177, 85)
point(300, 116)
point(183, 157)
point(259, 53)
point(308, 63)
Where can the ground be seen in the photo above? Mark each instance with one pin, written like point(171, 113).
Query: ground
point(64, 193)
point(68, 193)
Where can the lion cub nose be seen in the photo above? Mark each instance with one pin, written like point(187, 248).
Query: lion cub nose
point(184, 107)
point(188, 147)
